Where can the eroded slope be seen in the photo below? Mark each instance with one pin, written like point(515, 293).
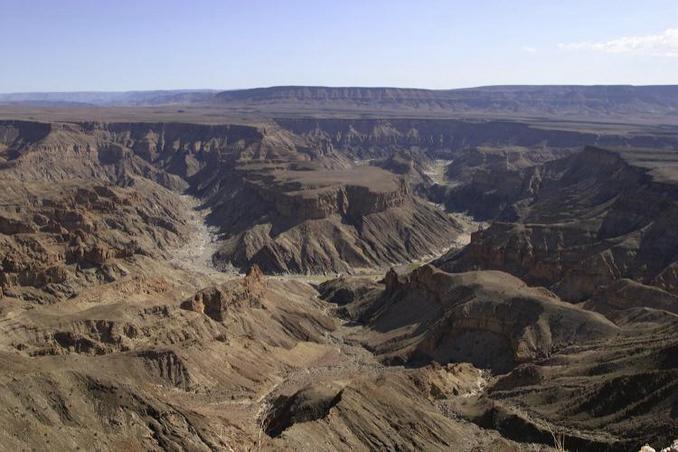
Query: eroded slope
point(582, 222)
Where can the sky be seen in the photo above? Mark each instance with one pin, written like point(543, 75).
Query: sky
point(102, 45)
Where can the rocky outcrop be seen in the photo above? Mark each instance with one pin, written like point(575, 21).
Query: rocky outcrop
point(168, 367)
point(309, 404)
point(345, 290)
point(490, 319)
point(80, 196)
point(73, 235)
point(15, 135)
point(109, 337)
point(343, 244)
point(596, 385)
point(619, 395)
point(485, 181)
point(317, 193)
point(319, 220)
point(288, 196)
point(217, 302)
point(626, 301)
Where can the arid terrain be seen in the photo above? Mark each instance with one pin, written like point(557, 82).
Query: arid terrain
point(304, 268)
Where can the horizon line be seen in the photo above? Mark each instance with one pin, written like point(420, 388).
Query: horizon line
point(218, 90)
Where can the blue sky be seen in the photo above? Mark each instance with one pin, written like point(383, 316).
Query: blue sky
point(67, 45)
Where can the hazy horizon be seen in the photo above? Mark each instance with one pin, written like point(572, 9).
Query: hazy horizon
point(216, 90)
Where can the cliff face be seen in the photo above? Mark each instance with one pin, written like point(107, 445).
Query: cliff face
point(82, 202)
point(298, 201)
point(338, 229)
point(277, 200)
point(484, 181)
point(442, 138)
point(16, 134)
point(584, 222)
point(290, 199)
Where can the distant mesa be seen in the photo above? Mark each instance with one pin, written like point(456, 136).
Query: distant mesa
point(607, 101)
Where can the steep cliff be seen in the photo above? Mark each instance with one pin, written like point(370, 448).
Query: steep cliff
point(326, 220)
point(276, 199)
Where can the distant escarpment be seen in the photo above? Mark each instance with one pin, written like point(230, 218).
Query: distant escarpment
point(443, 138)
point(538, 101)
point(582, 222)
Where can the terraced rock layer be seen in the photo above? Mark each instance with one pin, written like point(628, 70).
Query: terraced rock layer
point(583, 222)
point(276, 201)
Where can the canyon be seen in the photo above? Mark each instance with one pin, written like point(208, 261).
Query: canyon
point(365, 269)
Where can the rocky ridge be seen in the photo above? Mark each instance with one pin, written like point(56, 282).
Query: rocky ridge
point(580, 223)
point(553, 370)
